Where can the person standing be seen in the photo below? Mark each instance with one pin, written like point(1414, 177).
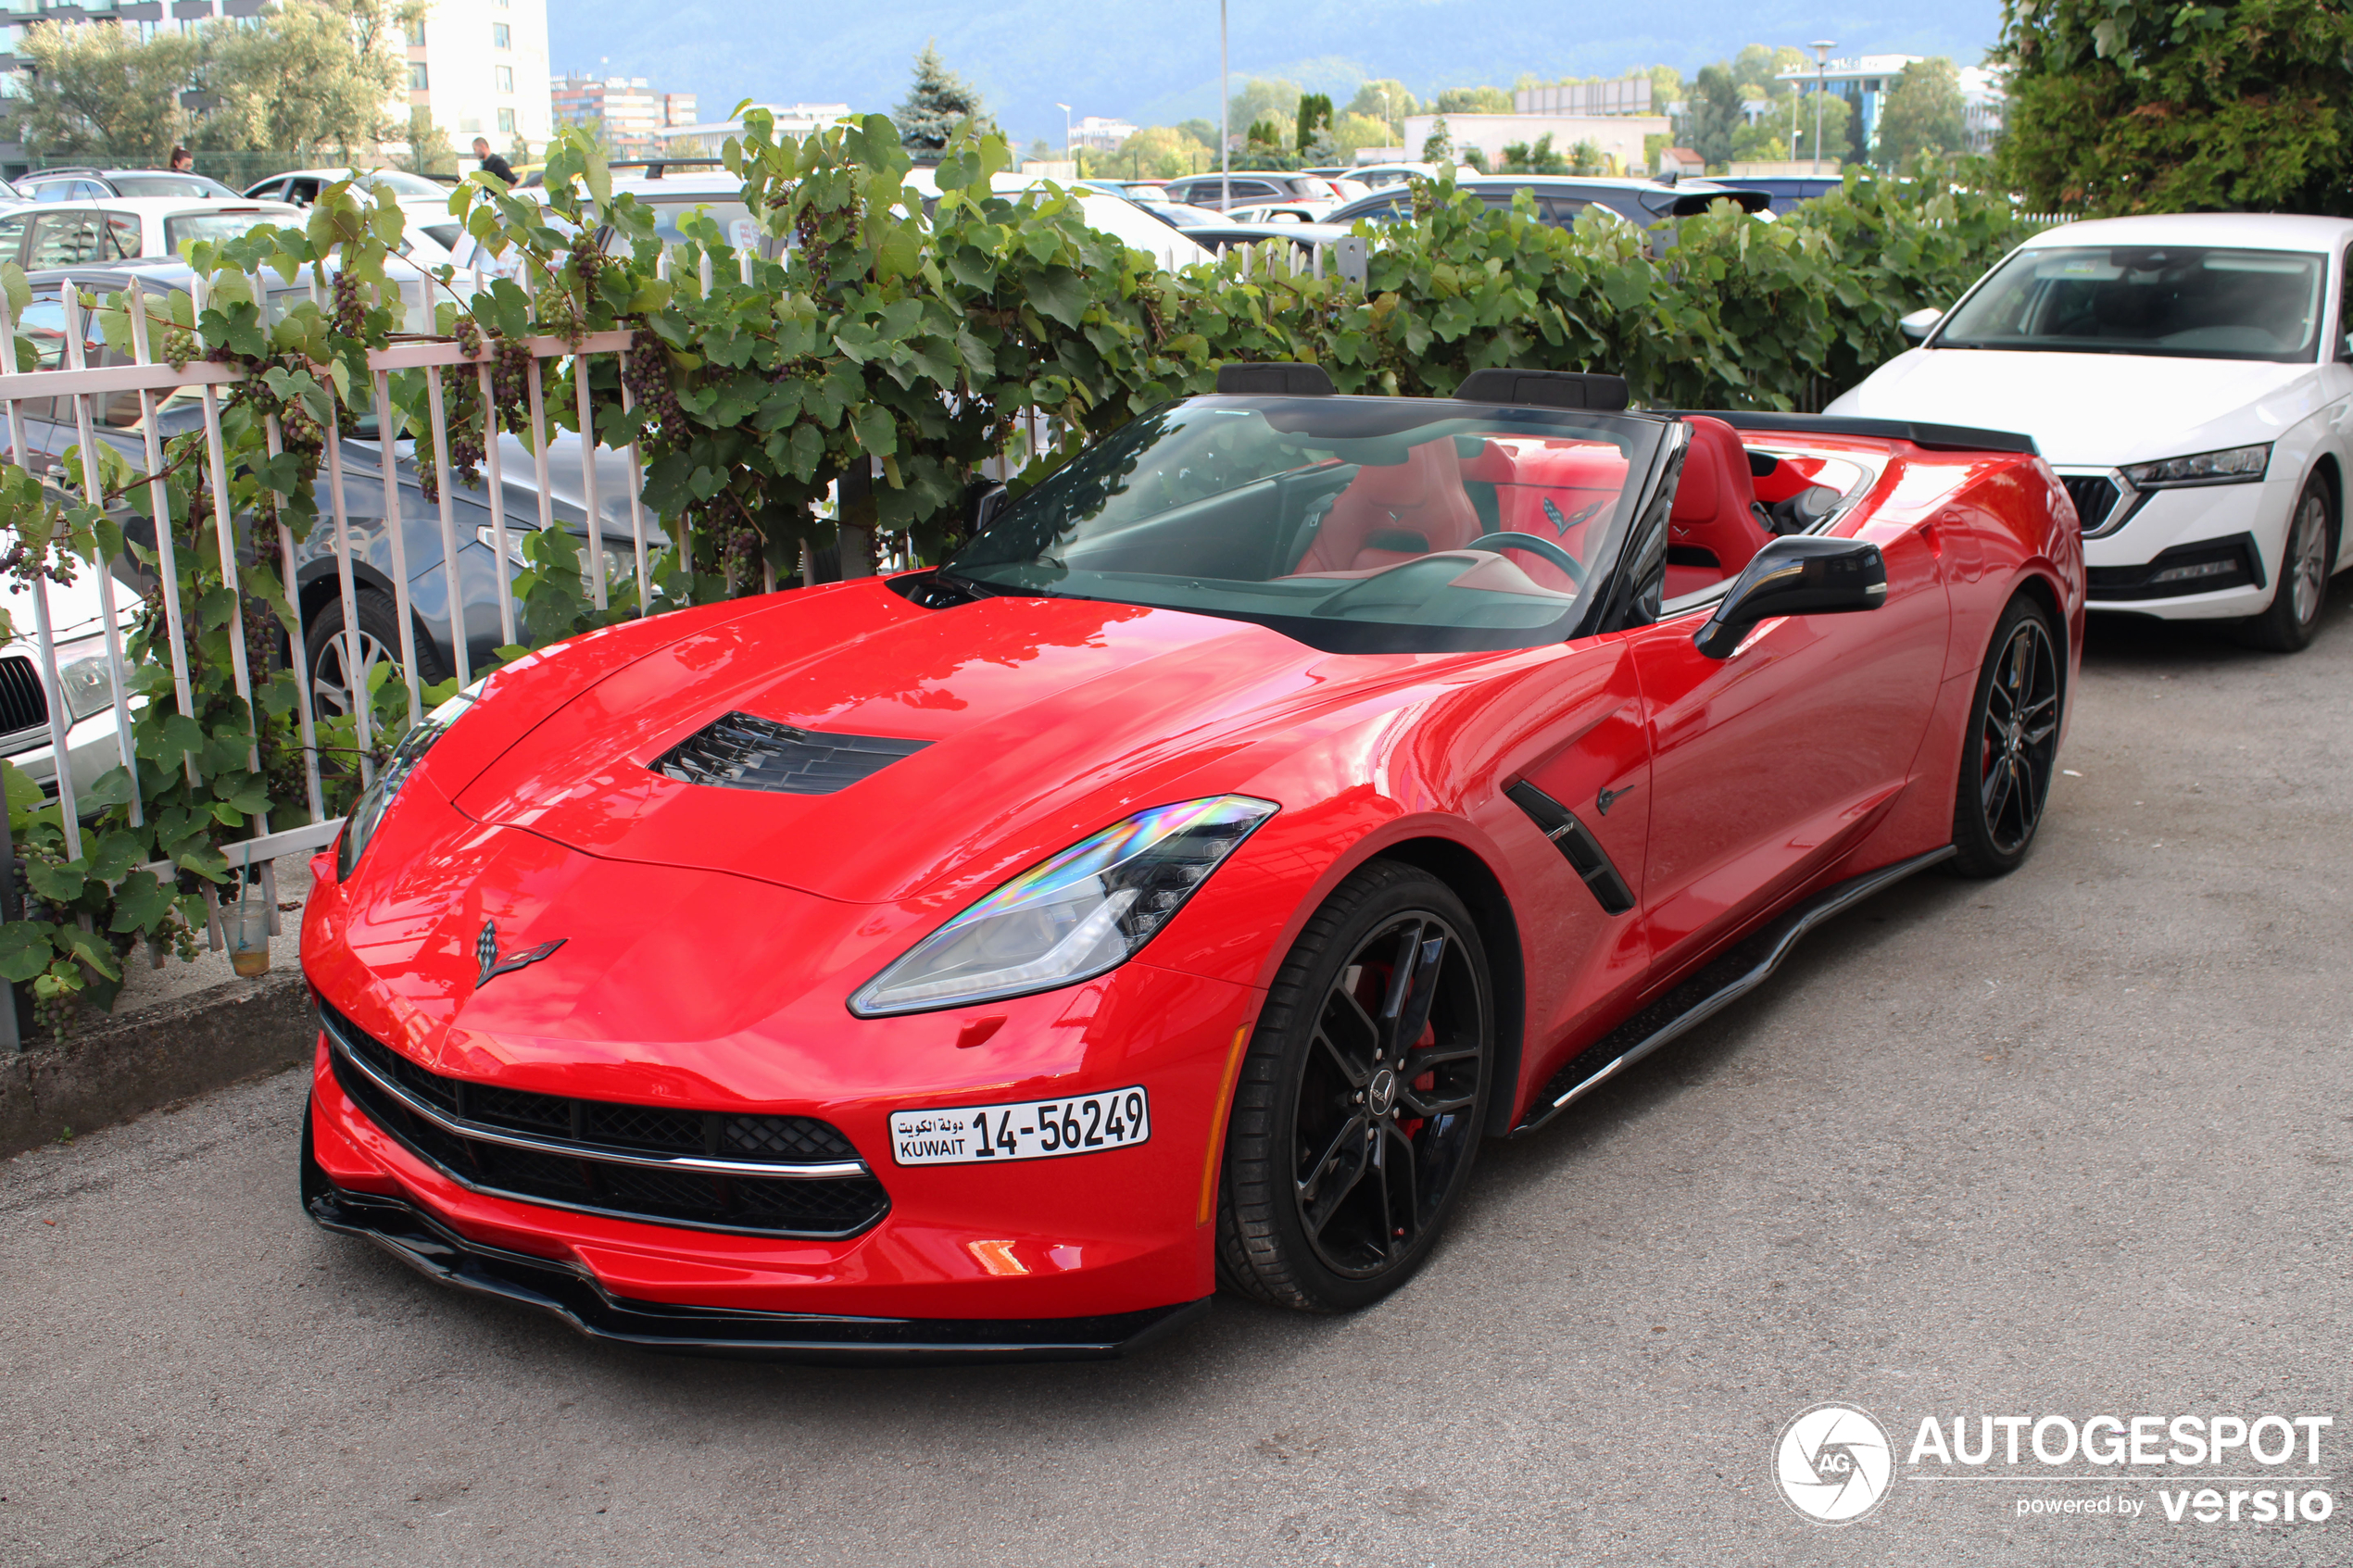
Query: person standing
point(492, 163)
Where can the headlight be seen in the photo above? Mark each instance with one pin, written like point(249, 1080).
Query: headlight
point(620, 560)
point(85, 678)
point(376, 799)
point(1087, 909)
point(2239, 465)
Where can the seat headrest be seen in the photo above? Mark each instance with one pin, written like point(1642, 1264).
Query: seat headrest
point(1715, 474)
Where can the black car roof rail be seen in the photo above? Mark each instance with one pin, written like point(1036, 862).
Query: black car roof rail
point(1279, 379)
point(1954, 438)
point(74, 168)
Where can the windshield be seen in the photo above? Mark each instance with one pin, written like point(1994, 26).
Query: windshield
point(2182, 301)
point(172, 185)
point(182, 228)
point(1355, 524)
point(404, 184)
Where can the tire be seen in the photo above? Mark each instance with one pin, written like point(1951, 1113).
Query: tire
point(1321, 1092)
point(2011, 748)
point(2302, 590)
point(323, 653)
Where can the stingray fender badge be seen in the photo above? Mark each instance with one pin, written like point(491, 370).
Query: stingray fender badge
point(493, 966)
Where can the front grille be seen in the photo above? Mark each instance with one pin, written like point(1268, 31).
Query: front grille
point(22, 705)
point(2094, 495)
point(745, 751)
point(576, 1166)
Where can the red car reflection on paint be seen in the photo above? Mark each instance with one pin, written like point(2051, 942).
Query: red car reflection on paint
point(1176, 888)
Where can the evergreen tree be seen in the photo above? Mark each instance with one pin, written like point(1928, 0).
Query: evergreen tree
point(937, 103)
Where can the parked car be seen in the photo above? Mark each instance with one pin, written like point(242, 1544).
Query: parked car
point(126, 228)
point(10, 197)
point(1252, 188)
point(50, 431)
point(99, 185)
point(1290, 794)
point(1560, 197)
point(2190, 379)
point(1216, 230)
point(301, 186)
point(1794, 191)
point(1130, 222)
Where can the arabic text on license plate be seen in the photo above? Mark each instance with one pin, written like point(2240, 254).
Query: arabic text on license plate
point(1038, 1129)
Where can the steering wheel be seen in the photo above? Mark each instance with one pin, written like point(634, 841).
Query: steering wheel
point(1538, 542)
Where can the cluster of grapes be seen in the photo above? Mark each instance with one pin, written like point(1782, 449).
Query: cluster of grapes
point(468, 337)
point(53, 1013)
point(588, 261)
point(299, 433)
point(644, 370)
point(349, 317)
point(178, 347)
point(812, 249)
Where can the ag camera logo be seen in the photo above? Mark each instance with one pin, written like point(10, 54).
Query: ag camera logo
point(1834, 1464)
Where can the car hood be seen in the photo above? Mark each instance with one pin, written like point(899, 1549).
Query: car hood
point(1041, 721)
point(2093, 409)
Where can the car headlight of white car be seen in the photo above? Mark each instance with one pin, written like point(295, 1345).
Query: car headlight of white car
point(84, 678)
point(2235, 465)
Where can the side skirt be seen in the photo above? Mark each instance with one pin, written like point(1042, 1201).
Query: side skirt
point(1738, 971)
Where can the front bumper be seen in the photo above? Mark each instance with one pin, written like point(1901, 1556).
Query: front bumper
point(418, 1240)
point(2199, 553)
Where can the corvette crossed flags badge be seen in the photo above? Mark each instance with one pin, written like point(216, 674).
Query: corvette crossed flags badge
point(493, 966)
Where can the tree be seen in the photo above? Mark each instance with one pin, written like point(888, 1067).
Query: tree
point(1759, 69)
point(307, 76)
point(1714, 116)
point(1440, 147)
point(1924, 114)
point(2133, 106)
point(430, 151)
point(1201, 130)
point(1384, 98)
point(1356, 131)
point(1474, 100)
point(1269, 98)
point(1314, 115)
point(98, 91)
point(1768, 140)
point(937, 102)
point(1541, 159)
point(1157, 152)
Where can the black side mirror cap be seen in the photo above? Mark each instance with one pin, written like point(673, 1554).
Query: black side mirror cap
point(1803, 575)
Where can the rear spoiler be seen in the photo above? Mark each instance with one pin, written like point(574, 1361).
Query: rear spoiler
point(1954, 438)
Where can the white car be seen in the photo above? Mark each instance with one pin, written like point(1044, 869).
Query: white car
point(127, 228)
point(84, 681)
point(2191, 380)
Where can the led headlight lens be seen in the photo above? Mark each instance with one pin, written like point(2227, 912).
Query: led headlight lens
point(376, 799)
point(1087, 909)
point(84, 679)
point(2239, 465)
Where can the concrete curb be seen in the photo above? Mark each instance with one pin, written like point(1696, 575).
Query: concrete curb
point(115, 1069)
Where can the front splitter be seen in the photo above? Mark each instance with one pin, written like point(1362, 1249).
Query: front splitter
point(421, 1241)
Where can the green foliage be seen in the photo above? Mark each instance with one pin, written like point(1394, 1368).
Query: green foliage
point(101, 91)
point(936, 103)
point(1714, 116)
point(1474, 100)
point(430, 149)
point(1315, 119)
point(2126, 105)
point(1924, 114)
point(1384, 99)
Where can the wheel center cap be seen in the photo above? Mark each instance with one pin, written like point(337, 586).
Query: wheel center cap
point(1382, 1093)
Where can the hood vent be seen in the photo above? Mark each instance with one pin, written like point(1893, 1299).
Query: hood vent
point(744, 751)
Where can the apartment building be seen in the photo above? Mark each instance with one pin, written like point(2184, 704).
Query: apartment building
point(480, 66)
point(634, 115)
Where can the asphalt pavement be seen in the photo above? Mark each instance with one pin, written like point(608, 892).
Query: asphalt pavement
point(2073, 1144)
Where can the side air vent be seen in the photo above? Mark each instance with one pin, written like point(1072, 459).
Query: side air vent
point(744, 751)
point(1578, 846)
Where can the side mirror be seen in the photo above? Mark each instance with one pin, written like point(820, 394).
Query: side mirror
point(1919, 324)
point(1802, 574)
point(985, 504)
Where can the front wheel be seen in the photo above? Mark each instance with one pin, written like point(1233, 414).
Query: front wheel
point(2295, 614)
point(1359, 1105)
point(2011, 748)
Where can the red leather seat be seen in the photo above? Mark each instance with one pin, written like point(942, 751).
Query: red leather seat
point(1712, 502)
point(1396, 511)
point(1581, 480)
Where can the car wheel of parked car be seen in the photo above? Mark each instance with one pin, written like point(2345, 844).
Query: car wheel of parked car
point(2294, 613)
point(2011, 745)
point(327, 657)
point(1358, 1108)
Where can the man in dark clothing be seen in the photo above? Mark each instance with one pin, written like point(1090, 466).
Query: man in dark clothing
point(492, 163)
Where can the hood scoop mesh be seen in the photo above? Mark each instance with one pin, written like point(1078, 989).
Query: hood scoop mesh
point(744, 751)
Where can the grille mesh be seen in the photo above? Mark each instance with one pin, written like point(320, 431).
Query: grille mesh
point(2094, 495)
point(744, 751)
point(825, 1207)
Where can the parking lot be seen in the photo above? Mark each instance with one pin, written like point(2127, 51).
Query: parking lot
point(2072, 1143)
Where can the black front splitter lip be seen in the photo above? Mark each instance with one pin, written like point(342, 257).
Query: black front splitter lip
point(419, 1240)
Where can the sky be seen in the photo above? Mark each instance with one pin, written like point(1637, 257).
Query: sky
point(1155, 61)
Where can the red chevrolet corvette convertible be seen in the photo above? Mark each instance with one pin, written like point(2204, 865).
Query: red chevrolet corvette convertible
point(1177, 888)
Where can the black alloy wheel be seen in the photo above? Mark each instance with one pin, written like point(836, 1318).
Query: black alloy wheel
point(2011, 748)
point(327, 653)
point(1359, 1105)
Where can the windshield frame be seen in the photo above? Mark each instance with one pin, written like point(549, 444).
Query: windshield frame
point(1652, 456)
point(2313, 351)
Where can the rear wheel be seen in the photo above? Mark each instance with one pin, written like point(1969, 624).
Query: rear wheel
point(1359, 1105)
point(2295, 614)
point(2012, 746)
point(327, 654)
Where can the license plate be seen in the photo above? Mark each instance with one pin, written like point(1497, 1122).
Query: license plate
point(1038, 1129)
